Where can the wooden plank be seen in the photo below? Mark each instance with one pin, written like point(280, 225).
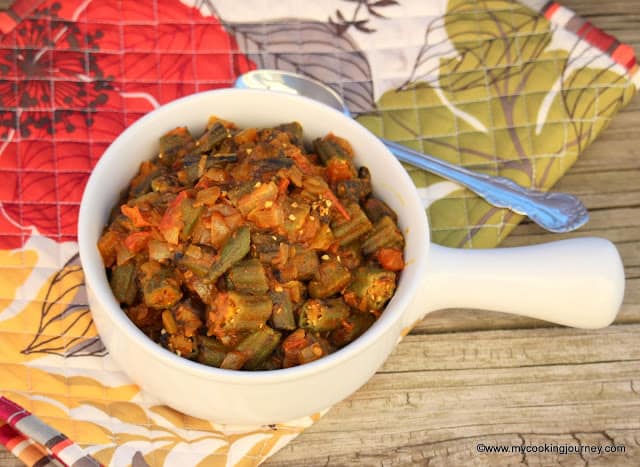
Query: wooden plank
point(9, 460)
point(435, 399)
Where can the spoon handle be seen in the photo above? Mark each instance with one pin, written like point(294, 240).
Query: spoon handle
point(556, 212)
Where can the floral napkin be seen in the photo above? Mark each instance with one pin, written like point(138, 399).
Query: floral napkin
point(505, 87)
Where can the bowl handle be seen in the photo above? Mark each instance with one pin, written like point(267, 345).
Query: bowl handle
point(577, 282)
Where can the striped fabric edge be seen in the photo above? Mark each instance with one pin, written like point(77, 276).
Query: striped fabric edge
point(25, 449)
point(621, 53)
point(48, 440)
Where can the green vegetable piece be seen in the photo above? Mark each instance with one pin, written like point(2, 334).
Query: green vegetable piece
point(234, 313)
point(258, 346)
point(302, 265)
point(234, 360)
point(197, 259)
point(331, 277)
point(144, 185)
point(353, 189)
point(323, 315)
point(302, 346)
point(235, 248)
point(346, 231)
point(194, 165)
point(371, 288)
point(328, 148)
point(282, 316)
point(248, 276)
point(190, 216)
point(350, 255)
point(160, 288)
point(294, 130)
point(123, 283)
point(385, 234)
point(376, 209)
point(211, 352)
point(174, 144)
point(163, 183)
point(353, 327)
point(212, 137)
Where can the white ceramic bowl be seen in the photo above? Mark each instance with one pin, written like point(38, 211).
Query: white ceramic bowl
point(574, 282)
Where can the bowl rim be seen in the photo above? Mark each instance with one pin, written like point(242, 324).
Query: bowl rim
point(97, 284)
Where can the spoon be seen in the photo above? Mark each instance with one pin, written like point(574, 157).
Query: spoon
point(556, 212)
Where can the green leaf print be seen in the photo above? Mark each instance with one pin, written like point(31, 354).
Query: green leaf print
point(500, 99)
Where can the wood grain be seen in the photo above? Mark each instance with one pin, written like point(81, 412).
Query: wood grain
point(467, 377)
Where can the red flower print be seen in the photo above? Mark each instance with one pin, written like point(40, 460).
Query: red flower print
point(73, 75)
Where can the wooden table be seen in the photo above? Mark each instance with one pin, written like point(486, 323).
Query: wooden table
point(464, 378)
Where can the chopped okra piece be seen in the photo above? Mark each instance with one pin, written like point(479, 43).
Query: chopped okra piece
point(163, 183)
point(296, 291)
point(282, 316)
point(233, 313)
point(294, 130)
point(302, 264)
point(302, 346)
point(123, 283)
point(331, 147)
point(210, 351)
point(330, 278)
point(258, 346)
point(323, 315)
point(175, 144)
point(371, 289)
point(385, 234)
point(212, 137)
point(355, 189)
point(351, 328)
point(376, 209)
point(233, 251)
point(197, 259)
point(248, 276)
point(346, 231)
point(234, 360)
point(201, 287)
point(161, 288)
point(190, 215)
point(350, 256)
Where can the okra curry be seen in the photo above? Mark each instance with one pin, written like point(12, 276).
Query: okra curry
point(247, 249)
